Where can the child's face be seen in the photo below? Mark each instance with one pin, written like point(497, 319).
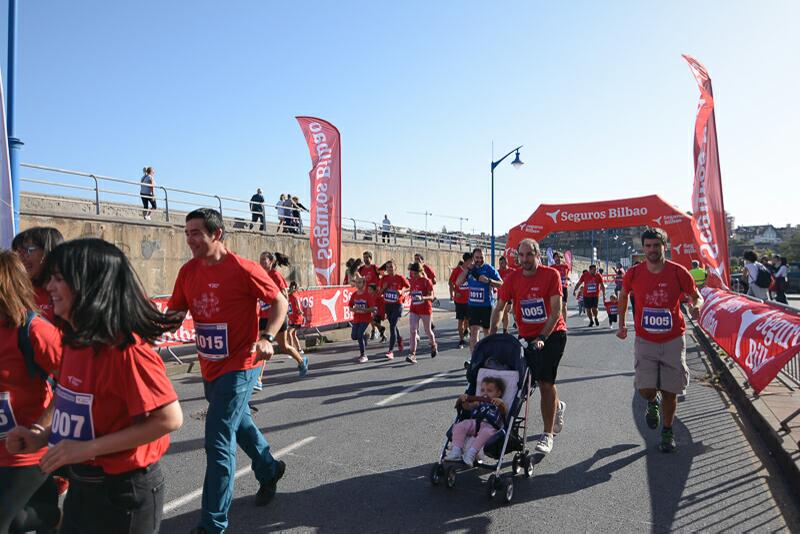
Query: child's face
point(489, 389)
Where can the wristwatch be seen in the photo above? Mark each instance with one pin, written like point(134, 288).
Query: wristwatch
point(542, 338)
point(268, 337)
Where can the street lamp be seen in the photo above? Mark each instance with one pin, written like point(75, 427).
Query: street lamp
point(517, 163)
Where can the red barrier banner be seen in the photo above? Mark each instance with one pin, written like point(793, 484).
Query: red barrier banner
point(761, 338)
point(325, 306)
point(183, 336)
point(708, 209)
point(326, 199)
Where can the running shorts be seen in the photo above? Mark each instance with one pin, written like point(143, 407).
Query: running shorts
point(661, 365)
point(479, 316)
point(544, 363)
point(590, 302)
point(461, 311)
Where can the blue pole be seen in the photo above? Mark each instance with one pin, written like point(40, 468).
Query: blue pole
point(14, 144)
point(492, 241)
point(606, 251)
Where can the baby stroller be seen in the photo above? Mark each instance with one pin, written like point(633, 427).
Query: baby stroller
point(501, 356)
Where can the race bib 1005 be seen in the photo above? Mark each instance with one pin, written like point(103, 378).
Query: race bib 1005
point(7, 421)
point(212, 340)
point(72, 418)
point(477, 295)
point(657, 320)
point(533, 311)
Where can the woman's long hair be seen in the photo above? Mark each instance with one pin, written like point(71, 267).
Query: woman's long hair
point(16, 291)
point(277, 259)
point(109, 303)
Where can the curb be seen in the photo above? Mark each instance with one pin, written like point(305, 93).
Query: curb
point(782, 449)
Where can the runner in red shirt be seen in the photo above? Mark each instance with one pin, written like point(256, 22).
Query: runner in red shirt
point(504, 271)
point(28, 497)
point(459, 294)
point(114, 405)
point(535, 291)
point(426, 269)
point(33, 245)
point(362, 303)
point(295, 318)
point(270, 263)
point(222, 291)
point(372, 277)
point(563, 270)
point(393, 288)
point(660, 348)
point(422, 296)
point(612, 309)
point(619, 276)
point(593, 289)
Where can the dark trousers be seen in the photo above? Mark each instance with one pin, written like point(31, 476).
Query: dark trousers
point(359, 334)
point(255, 217)
point(393, 314)
point(28, 500)
point(130, 503)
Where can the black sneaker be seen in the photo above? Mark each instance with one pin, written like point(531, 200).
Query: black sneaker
point(267, 491)
point(433, 352)
point(652, 415)
point(667, 441)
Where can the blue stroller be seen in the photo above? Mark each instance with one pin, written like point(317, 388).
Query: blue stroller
point(501, 356)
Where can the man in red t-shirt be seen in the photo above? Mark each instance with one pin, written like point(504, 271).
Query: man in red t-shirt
point(563, 270)
point(593, 289)
point(660, 348)
point(222, 291)
point(535, 291)
point(459, 294)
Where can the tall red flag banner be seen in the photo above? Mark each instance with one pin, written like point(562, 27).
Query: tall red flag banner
point(708, 209)
point(326, 197)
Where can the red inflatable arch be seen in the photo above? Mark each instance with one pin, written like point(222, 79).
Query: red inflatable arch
point(640, 211)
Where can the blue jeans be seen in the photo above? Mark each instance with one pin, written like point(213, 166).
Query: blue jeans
point(229, 423)
point(359, 333)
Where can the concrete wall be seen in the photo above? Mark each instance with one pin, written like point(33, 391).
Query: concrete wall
point(158, 250)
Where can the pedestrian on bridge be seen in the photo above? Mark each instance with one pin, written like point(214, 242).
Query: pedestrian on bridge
point(660, 348)
point(147, 192)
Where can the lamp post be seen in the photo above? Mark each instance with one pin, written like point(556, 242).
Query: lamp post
point(517, 163)
point(14, 144)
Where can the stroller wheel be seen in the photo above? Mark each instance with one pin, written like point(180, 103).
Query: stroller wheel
point(527, 466)
point(492, 485)
point(450, 481)
point(508, 490)
point(517, 463)
point(437, 472)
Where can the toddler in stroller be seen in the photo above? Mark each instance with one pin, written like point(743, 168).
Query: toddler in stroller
point(486, 415)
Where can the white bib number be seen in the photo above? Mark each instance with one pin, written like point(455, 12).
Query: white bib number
point(477, 295)
point(657, 320)
point(533, 311)
point(212, 340)
point(391, 296)
point(416, 297)
point(591, 288)
point(72, 418)
point(7, 421)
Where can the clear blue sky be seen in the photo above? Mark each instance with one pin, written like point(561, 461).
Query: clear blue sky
point(597, 92)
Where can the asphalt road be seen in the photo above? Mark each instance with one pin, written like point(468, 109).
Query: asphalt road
point(359, 440)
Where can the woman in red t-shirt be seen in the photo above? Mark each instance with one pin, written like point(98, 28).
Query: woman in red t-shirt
point(421, 308)
point(362, 304)
point(114, 405)
point(393, 289)
point(28, 497)
point(295, 318)
point(33, 245)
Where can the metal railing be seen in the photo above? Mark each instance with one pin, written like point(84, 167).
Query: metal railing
point(111, 196)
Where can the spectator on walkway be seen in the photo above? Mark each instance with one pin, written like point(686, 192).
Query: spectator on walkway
point(757, 275)
point(781, 278)
point(257, 209)
point(148, 192)
point(289, 221)
point(387, 228)
point(281, 214)
point(296, 219)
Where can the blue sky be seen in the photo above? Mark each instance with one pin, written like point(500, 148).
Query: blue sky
point(597, 92)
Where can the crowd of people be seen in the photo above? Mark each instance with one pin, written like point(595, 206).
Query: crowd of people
point(766, 279)
point(289, 210)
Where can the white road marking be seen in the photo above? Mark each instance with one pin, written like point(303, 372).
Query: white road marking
point(192, 495)
point(411, 388)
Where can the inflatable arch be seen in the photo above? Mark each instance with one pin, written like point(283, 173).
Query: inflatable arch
point(640, 211)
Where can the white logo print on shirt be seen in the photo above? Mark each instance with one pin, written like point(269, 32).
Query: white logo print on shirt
point(206, 306)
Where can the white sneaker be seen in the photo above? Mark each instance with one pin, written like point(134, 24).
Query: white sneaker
point(362, 359)
point(558, 425)
point(469, 457)
point(454, 455)
point(545, 444)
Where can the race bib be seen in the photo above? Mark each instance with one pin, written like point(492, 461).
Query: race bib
point(613, 310)
point(533, 311)
point(72, 418)
point(416, 297)
point(656, 320)
point(591, 288)
point(264, 305)
point(289, 311)
point(7, 421)
point(477, 295)
point(212, 340)
point(391, 296)
point(362, 304)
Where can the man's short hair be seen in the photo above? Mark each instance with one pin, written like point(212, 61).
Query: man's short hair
point(212, 219)
point(368, 254)
point(750, 255)
point(695, 264)
point(595, 266)
point(531, 243)
point(654, 233)
point(476, 250)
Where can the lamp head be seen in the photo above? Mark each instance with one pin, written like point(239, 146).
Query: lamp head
point(517, 163)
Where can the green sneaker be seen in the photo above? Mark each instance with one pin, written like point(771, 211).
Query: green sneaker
point(667, 441)
point(653, 415)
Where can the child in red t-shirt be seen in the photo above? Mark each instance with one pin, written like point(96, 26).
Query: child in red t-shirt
point(380, 314)
point(295, 318)
point(612, 309)
point(362, 303)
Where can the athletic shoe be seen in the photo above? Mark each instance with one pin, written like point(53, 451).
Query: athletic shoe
point(390, 355)
point(469, 457)
point(505, 330)
point(302, 368)
point(454, 455)
point(362, 359)
point(596, 322)
point(653, 414)
point(400, 343)
point(302, 351)
point(558, 426)
point(267, 491)
point(373, 335)
point(411, 358)
point(62, 484)
point(383, 338)
point(667, 441)
point(258, 386)
point(460, 344)
point(545, 443)
point(433, 351)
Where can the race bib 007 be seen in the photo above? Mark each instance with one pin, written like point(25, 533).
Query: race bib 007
point(7, 421)
point(656, 320)
point(533, 311)
point(212, 340)
point(72, 418)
